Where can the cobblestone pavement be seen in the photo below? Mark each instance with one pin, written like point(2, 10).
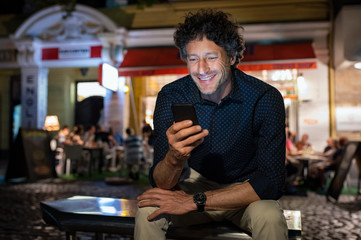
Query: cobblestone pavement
point(20, 215)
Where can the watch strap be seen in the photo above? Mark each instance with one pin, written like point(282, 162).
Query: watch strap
point(200, 199)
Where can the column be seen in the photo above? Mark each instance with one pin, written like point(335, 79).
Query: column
point(34, 96)
point(114, 108)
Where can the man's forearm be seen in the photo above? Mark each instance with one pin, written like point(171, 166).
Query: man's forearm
point(232, 197)
point(167, 172)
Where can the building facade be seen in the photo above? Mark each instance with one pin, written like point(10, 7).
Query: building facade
point(295, 46)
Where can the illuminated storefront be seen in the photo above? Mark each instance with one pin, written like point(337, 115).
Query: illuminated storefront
point(62, 53)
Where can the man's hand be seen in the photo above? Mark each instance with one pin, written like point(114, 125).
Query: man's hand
point(183, 138)
point(169, 202)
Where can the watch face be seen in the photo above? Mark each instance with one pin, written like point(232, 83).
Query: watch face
point(200, 198)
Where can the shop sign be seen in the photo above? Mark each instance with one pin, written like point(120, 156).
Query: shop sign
point(71, 52)
point(74, 52)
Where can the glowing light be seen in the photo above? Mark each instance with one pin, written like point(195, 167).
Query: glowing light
point(357, 65)
point(105, 200)
point(108, 76)
point(51, 123)
point(301, 83)
point(108, 209)
point(88, 89)
point(282, 75)
point(264, 75)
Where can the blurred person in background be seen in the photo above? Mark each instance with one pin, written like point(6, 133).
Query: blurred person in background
point(303, 144)
point(294, 167)
point(89, 137)
point(76, 136)
point(133, 153)
point(148, 140)
point(63, 135)
point(330, 148)
point(319, 171)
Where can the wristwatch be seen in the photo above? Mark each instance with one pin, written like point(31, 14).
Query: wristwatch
point(200, 199)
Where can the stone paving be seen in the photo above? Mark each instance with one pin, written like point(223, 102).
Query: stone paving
point(20, 215)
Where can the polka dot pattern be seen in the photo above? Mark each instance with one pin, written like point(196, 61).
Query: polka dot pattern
point(247, 136)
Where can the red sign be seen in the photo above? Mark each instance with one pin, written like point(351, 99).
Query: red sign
point(71, 53)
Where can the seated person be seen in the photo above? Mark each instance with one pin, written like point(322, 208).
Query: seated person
point(330, 148)
point(101, 135)
point(89, 137)
point(337, 156)
point(318, 170)
point(293, 166)
point(133, 153)
point(292, 174)
point(232, 165)
point(63, 135)
point(76, 137)
point(148, 142)
point(303, 144)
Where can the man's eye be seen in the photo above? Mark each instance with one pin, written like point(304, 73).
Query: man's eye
point(212, 58)
point(192, 59)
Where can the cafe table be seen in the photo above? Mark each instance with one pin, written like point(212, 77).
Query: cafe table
point(307, 159)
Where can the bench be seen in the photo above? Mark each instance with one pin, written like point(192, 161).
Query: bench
point(101, 215)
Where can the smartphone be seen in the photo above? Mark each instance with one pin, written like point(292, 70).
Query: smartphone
point(184, 111)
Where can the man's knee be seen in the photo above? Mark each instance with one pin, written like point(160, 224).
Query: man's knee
point(141, 217)
point(154, 229)
point(266, 220)
point(143, 213)
point(266, 213)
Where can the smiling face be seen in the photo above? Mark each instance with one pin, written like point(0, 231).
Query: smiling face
point(210, 68)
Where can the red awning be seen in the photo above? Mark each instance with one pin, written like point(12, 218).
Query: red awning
point(152, 61)
point(279, 51)
point(159, 61)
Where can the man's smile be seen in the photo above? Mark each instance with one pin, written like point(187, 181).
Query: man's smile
point(206, 78)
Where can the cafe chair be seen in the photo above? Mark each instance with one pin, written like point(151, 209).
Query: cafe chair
point(73, 156)
point(352, 150)
point(59, 160)
point(134, 156)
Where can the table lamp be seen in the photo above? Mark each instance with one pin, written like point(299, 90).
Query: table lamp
point(51, 123)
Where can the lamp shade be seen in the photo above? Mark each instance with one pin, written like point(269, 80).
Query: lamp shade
point(51, 123)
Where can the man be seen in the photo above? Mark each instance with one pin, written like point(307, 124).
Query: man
point(235, 156)
point(303, 144)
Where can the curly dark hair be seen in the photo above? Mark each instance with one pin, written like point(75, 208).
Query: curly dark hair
point(216, 26)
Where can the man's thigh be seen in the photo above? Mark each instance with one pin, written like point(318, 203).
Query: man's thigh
point(257, 214)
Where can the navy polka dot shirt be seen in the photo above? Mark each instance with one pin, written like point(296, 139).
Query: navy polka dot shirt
point(246, 138)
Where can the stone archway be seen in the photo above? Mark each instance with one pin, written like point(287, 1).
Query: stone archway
point(53, 38)
point(41, 21)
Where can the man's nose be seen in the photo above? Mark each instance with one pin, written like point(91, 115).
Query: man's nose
point(203, 67)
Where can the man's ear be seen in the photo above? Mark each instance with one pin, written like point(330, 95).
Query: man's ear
point(232, 60)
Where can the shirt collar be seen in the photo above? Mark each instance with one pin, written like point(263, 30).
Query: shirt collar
point(235, 93)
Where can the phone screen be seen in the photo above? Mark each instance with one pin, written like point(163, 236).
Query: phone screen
point(184, 111)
